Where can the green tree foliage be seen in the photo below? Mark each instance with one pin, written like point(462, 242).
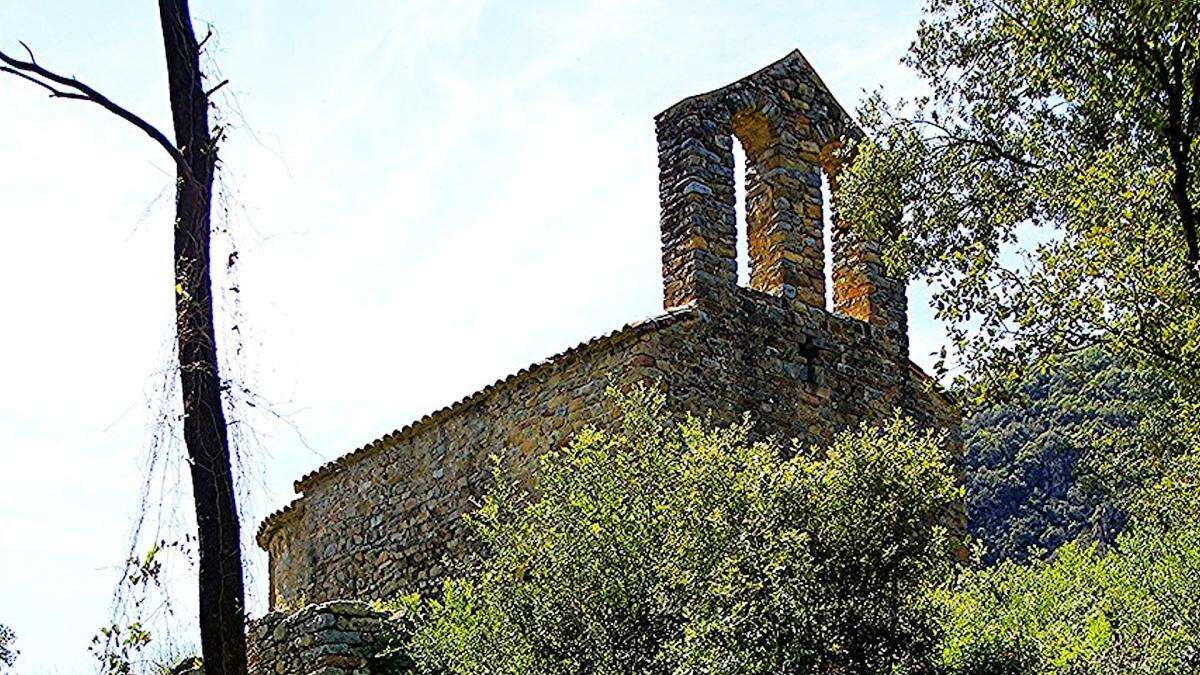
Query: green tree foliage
point(1130, 607)
point(1047, 187)
point(1135, 609)
point(1030, 463)
point(678, 548)
point(1131, 604)
point(1073, 123)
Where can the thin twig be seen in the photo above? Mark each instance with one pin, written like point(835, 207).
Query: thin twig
point(200, 47)
point(54, 93)
point(212, 91)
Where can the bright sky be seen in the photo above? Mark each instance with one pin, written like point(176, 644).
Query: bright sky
point(429, 195)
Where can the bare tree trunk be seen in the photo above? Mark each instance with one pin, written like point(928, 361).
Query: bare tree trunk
point(222, 594)
point(222, 591)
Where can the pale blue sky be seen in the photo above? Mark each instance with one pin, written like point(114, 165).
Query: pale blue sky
point(429, 195)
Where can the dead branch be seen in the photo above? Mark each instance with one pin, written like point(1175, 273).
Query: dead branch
point(72, 88)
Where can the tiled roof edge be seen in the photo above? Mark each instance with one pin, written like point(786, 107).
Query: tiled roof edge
point(334, 466)
point(293, 510)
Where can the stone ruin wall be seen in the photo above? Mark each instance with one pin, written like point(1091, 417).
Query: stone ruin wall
point(385, 518)
point(335, 638)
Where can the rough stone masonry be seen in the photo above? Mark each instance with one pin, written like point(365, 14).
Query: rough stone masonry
point(385, 518)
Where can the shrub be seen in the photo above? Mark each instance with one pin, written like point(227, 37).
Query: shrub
point(1086, 610)
point(683, 548)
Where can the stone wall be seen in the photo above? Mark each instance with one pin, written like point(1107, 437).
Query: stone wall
point(379, 521)
point(386, 518)
point(334, 638)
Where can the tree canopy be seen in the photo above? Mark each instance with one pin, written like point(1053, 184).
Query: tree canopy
point(684, 548)
point(1046, 184)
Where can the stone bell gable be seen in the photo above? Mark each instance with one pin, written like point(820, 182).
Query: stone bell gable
point(386, 517)
point(790, 127)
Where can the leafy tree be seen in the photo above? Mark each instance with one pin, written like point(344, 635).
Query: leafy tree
point(1086, 610)
point(1073, 123)
point(678, 548)
point(1047, 186)
point(1129, 604)
point(1131, 607)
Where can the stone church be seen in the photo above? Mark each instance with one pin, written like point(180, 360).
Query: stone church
point(385, 517)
